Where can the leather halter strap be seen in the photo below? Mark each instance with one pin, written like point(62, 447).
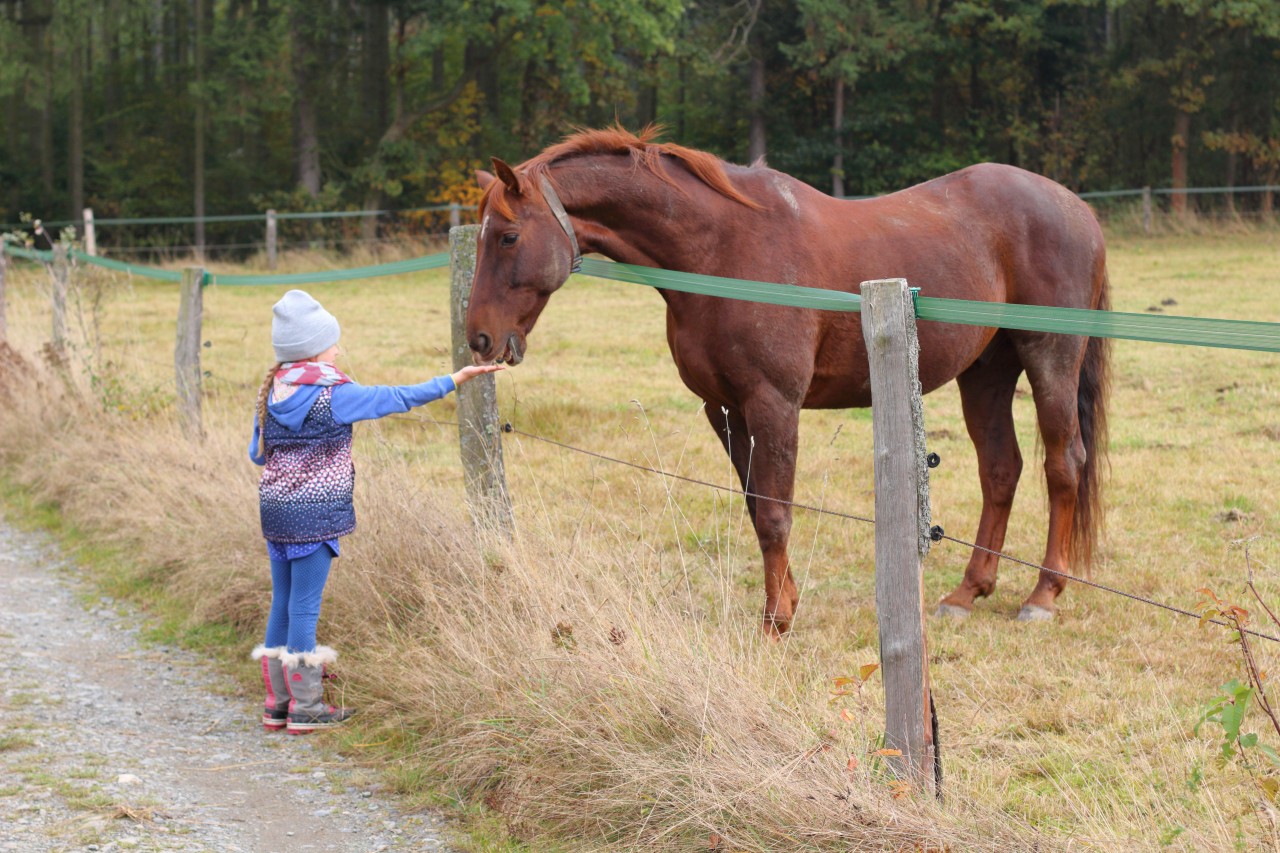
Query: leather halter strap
point(553, 202)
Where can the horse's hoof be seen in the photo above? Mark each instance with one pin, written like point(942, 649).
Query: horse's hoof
point(775, 629)
point(1034, 613)
point(953, 611)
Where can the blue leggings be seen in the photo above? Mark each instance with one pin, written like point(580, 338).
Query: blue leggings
point(296, 587)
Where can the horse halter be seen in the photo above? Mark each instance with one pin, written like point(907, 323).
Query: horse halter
point(553, 202)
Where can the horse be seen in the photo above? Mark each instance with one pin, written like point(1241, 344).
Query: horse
point(988, 232)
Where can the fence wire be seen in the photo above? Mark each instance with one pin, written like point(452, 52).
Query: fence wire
point(508, 428)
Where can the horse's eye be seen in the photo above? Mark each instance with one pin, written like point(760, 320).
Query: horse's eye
point(509, 239)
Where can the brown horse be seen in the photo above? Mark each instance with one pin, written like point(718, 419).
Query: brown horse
point(988, 232)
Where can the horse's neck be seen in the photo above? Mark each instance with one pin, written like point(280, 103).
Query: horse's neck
point(632, 216)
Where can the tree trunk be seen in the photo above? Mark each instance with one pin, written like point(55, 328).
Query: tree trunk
point(306, 141)
point(647, 99)
point(1181, 137)
point(837, 125)
point(111, 77)
point(46, 119)
point(369, 224)
point(756, 151)
point(157, 33)
point(198, 176)
point(684, 104)
point(377, 63)
point(480, 62)
point(75, 134)
point(530, 105)
point(1232, 162)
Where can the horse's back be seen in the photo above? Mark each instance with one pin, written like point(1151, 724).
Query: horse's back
point(1001, 232)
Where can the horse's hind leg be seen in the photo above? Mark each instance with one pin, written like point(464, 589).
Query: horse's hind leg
point(767, 466)
point(1053, 368)
point(986, 393)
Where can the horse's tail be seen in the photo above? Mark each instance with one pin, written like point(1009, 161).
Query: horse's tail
point(1091, 411)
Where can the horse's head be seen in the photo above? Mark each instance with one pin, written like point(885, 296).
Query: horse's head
point(524, 255)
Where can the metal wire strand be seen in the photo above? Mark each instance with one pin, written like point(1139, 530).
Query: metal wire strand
point(1105, 588)
point(1018, 560)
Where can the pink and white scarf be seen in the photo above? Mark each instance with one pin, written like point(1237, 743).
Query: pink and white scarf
point(310, 373)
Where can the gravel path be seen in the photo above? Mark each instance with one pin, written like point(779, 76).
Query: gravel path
point(108, 745)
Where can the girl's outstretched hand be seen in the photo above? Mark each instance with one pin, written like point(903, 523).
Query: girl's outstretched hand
point(471, 371)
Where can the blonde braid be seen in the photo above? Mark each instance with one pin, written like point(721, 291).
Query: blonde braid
point(263, 394)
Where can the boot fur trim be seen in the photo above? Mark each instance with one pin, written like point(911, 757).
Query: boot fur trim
point(321, 656)
point(268, 652)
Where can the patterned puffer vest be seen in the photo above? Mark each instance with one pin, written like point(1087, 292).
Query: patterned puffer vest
point(305, 492)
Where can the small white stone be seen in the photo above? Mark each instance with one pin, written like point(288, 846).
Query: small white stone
point(128, 779)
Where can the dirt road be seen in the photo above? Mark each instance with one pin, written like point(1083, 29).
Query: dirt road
point(107, 744)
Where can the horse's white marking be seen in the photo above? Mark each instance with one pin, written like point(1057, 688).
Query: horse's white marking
point(484, 226)
point(785, 191)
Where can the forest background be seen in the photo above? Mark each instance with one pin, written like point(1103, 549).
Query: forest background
point(206, 107)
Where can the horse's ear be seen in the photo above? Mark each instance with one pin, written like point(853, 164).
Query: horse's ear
point(507, 176)
point(484, 178)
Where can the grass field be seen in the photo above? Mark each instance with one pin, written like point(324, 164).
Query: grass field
point(491, 670)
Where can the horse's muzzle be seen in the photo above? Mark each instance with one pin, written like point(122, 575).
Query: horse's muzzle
point(514, 352)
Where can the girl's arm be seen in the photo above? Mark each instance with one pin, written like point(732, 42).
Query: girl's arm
point(352, 402)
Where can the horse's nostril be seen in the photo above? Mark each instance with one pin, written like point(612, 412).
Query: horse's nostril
point(480, 343)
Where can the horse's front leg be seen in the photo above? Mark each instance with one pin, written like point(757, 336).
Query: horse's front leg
point(762, 439)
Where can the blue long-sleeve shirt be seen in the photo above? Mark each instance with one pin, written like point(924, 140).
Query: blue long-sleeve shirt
point(349, 402)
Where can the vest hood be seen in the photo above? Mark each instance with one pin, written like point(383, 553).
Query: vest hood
point(292, 411)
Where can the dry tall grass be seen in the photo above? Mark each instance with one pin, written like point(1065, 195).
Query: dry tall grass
point(600, 682)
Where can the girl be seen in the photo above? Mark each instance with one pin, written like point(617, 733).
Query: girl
point(302, 437)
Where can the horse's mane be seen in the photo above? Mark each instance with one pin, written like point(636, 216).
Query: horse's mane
point(645, 154)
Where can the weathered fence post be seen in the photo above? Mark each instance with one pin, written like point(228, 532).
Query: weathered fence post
point(272, 228)
point(59, 297)
point(479, 437)
point(186, 353)
point(902, 527)
point(455, 215)
point(90, 234)
point(1146, 210)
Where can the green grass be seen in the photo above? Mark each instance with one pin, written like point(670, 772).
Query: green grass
point(11, 742)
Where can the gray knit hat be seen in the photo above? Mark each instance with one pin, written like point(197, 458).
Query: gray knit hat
point(301, 328)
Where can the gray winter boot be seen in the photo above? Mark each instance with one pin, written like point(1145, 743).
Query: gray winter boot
point(275, 712)
point(304, 678)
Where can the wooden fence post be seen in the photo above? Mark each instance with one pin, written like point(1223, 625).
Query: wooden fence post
point(902, 528)
point(59, 298)
point(90, 234)
point(1146, 210)
point(455, 215)
point(272, 228)
point(479, 436)
point(186, 353)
